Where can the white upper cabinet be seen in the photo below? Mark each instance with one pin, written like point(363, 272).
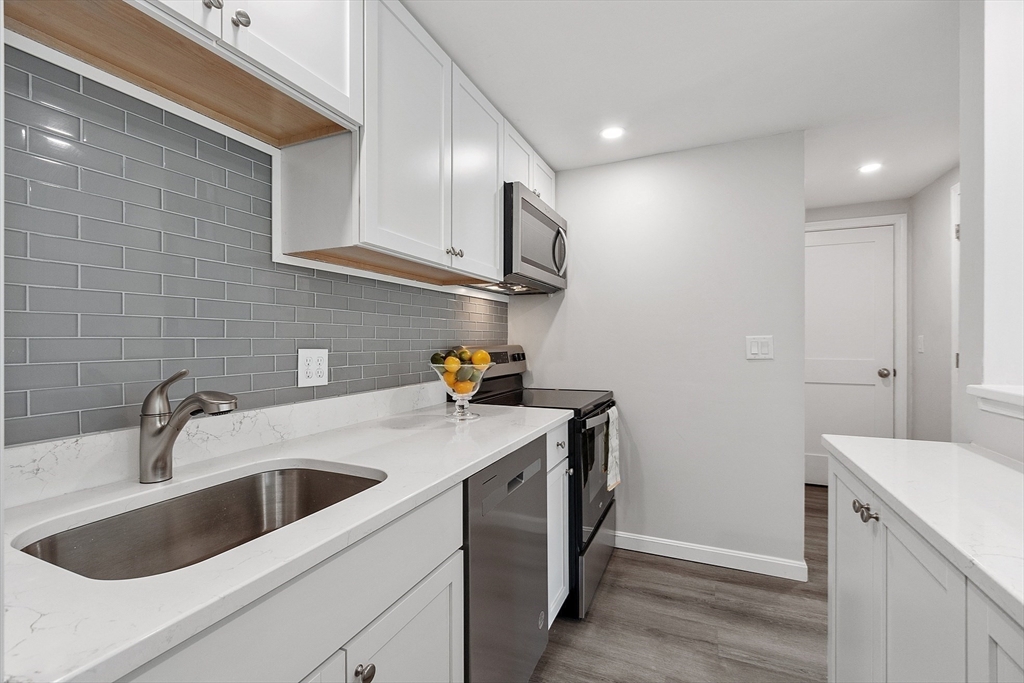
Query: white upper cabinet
point(314, 44)
point(543, 181)
point(518, 157)
point(524, 165)
point(406, 147)
point(477, 180)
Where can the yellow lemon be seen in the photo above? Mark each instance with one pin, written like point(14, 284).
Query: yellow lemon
point(463, 387)
point(449, 378)
point(452, 364)
point(481, 357)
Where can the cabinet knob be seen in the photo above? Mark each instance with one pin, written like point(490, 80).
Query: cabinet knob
point(569, 471)
point(884, 373)
point(857, 505)
point(365, 673)
point(241, 18)
point(460, 253)
point(560, 444)
point(450, 251)
point(866, 515)
point(213, 4)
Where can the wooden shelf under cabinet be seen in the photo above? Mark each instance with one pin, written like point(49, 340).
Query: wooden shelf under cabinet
point(379, 262)
point(125, 41)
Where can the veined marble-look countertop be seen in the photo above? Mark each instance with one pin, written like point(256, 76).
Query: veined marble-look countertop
point(966, 501)
point(60, 626)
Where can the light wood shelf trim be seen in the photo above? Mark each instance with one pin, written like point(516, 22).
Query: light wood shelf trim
point(362, 258)
point(125, 41)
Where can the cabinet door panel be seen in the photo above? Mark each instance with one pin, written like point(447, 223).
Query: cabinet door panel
point(995, 644)
point(518, 157)
point(419, 638)
point(852, 597)
point(558, 538)
point(543, 181)
point(314, 44)
point(924, 610)
point(206, 18)
point(477, 180)
point(407, 137)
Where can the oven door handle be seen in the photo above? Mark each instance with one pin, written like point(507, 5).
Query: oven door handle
point(595, 421)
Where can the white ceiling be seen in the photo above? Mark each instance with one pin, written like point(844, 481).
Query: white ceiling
point(869, 80)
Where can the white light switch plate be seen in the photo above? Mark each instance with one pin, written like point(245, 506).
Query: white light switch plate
point(761, 347)
point(312, 367)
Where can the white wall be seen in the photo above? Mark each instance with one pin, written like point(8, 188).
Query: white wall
point(931, 239)
point(673, 259)
point(977, 144)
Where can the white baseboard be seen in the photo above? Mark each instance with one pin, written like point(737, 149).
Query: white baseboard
point(721, 557)
point(816, 469)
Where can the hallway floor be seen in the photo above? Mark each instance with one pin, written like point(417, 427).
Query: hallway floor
point(665, 620)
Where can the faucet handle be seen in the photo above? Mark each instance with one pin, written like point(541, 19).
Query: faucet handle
point(156, 402)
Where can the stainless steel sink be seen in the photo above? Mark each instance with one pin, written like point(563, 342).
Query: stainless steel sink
point(182, 531)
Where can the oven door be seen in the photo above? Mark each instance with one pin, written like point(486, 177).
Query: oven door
point(594, 494)
point(535, 241)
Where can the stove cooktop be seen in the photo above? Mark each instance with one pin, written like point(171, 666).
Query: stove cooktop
point(579, 400)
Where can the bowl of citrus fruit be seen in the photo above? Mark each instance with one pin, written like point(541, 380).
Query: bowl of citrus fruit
point(461, 371)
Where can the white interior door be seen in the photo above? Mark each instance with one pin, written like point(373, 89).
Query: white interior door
point(848, 372)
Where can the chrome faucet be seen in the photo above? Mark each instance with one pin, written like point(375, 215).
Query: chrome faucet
point(160, 427)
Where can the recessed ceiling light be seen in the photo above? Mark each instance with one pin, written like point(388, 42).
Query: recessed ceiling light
point(870, 168)
point(612, 133)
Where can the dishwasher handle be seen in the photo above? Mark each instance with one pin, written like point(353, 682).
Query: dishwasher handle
point(500, 493)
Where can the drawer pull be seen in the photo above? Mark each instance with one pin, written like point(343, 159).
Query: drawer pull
point(560, 444)
point(857, 505)
point(241, 18)
point(866, 515)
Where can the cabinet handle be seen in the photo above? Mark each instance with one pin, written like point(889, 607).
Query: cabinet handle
point(213, 4)
point(241, 18)
point(460, 253)
point(560, 444)
point(365, 673)
point(857, 505)
point(569, 471)
point(866, 515)
point(450, 251)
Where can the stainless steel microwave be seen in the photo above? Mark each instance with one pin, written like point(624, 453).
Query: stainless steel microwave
point(535, 245)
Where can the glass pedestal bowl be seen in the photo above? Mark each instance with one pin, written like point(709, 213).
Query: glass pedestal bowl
point(461, 384)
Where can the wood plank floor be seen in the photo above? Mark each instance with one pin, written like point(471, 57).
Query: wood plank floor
point(659, 619)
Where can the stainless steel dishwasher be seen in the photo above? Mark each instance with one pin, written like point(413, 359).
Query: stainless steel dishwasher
point(507, 567)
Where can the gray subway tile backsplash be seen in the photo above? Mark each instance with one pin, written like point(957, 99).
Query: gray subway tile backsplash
point(139, 244)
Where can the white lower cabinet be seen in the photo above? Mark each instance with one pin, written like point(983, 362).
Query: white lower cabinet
point(393, 599)
point(995, 644)
point(898, 609)
point(419, 638)
point(558, 519)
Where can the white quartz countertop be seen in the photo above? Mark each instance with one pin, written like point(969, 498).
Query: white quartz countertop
point(966, 501)
point(61, 626)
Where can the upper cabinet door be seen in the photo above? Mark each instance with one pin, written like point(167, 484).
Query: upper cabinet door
point(477, 180)
point(317, 45)
point(543, 181)
point(205, 15)
point(406, 159)
point(518, 157)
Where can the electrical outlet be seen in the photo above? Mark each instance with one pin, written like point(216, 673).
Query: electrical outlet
point(312, 367)
point(761, 347)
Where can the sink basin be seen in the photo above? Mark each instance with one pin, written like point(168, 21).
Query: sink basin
point(182, 531)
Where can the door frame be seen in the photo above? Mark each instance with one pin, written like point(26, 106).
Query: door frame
point(814, 473)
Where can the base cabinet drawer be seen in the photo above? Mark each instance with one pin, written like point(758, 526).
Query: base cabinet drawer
point(419, 638)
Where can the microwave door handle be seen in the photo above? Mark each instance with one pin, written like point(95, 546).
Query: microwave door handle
point(560, 267)
point(595, 421)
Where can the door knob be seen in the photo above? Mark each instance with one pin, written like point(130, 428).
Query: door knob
point(884, 372)
point(241, 18)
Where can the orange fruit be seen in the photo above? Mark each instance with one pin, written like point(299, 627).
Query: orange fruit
point(463, 387)
point(449, 378)
point(481, 357)
point(452, 364)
